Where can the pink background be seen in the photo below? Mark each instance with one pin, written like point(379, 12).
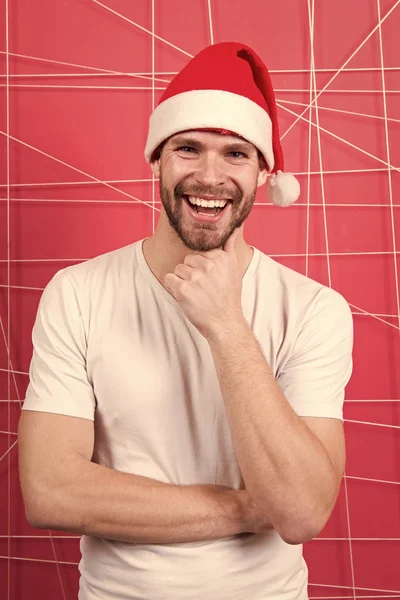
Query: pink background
point(74, 184)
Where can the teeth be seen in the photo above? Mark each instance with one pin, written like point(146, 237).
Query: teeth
point(205, 203)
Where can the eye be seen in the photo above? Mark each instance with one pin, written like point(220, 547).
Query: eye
point(237, 154)
point(186, 149)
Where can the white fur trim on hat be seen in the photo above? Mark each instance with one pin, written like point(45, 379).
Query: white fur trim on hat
point(211, 108)
point(282, 188)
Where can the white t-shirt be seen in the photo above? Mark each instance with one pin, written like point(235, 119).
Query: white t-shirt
point(112, 345)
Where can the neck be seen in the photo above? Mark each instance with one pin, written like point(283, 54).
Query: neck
point(163, 251)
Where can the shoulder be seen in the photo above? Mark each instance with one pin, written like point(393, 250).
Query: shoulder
point(100, 265)
point(76, 287)
point(286, 278)
point(297, 293)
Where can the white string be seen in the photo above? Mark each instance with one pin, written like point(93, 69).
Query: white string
point(100, 71)
point(76, 169)
point(97, 181)
point(388, 426)
point(347, 400)
point(358, 588)
point(147, 87)
point(308, 201)
point(41, 560)
point(114, 12)
point(22, 199)
point(210, 22)
point(13, 371)
point(82, 87)
point(373, 424)
point(374, 316)
point(346, 495)
point(342, 111)
point(328, 263)
point(352, 596)
point(334, 91)
point(77, 75)
point(379, 400)
point(396, 276)
point(169, 73)
point(337, 137)
point(346, 63)
point(57, 565)
point(298, 254)
point(7, 452)
point(345, 70)
point(43, 537)
point(371, 480)
point(313, 85)
point(7, 338)
point(290, 255)
point(259, 204)
point(153, 179)
point(356, 539)
point(66, 183)
point(317, 539)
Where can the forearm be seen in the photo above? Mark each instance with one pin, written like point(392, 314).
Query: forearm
point(100, 502)
point(284, 465)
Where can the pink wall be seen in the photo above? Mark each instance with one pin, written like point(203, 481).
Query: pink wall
point(79, 186)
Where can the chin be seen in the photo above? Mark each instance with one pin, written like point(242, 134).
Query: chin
point(204, 242)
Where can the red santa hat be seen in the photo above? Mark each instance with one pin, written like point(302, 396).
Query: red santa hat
point(226, 87)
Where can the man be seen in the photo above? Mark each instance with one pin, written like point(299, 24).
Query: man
point(184, 410)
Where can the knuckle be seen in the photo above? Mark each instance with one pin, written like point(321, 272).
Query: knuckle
point(195, 275)
point(178, 269)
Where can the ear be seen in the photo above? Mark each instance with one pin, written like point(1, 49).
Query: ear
point(155, 167)
point(262, 177)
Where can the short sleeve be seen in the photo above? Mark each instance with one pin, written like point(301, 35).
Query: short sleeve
point(58, 381)
point(319, 367)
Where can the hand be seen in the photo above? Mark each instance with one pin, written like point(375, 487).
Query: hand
point(208, 287)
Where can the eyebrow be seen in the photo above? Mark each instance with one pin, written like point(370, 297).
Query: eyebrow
point(185, 141)
point(236, 146)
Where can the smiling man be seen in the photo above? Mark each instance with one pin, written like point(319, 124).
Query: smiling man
point(207, 185)
point(185, 405)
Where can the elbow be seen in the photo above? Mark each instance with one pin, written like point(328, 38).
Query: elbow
point(297, 530)
point(39, 515)
point(298, 523)
point(300, 533)
point(37, 521)
point(41, 510)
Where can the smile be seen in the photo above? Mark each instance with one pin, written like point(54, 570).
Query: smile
point(207, 210)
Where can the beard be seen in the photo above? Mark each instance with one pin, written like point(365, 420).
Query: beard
point(203, 237)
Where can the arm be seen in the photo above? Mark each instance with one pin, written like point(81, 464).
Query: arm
point(63, 490)
point(292, 466)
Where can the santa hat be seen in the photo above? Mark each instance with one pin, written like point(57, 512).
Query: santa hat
point(226, 87)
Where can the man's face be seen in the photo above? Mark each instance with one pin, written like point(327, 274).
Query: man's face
point(207, 166)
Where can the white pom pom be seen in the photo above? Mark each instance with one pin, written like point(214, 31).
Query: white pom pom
point(283, 188)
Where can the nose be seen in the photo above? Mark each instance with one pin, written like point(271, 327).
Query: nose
point(209, 170)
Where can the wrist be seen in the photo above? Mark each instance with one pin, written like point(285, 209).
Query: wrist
point(225, 330)
point(231, 508)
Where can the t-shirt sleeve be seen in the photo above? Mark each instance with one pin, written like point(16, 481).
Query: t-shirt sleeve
point(319, 367)
point(58, 381)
